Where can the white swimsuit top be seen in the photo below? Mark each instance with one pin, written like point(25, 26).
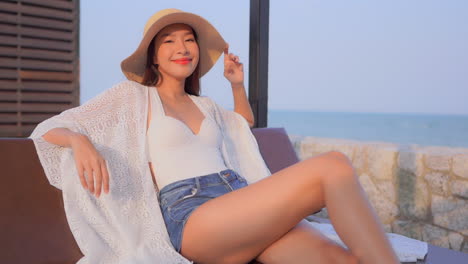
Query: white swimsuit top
point(175, 152)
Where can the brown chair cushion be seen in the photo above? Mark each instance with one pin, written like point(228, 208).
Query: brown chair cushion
point(33, 223)
point(275, 147)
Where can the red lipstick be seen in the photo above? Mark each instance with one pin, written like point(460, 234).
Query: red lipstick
point(182, 61)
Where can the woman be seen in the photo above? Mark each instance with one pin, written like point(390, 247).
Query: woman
point(205, 198)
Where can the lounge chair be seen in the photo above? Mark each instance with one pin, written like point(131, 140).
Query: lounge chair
point(33, 225)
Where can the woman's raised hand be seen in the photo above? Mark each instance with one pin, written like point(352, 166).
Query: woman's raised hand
point(233, 69)
point(88, 160)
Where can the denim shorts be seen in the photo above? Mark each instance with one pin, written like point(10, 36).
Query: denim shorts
point(179, 199)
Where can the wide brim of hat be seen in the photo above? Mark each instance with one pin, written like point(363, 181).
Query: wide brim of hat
point(210, 42)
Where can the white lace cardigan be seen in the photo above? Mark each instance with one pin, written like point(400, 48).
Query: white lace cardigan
point(126, 225)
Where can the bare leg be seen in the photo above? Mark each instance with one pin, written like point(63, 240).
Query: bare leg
point(304, 244)
point(240, 225)
point(354, 219)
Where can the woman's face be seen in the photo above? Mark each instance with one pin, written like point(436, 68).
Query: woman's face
point(176, 51)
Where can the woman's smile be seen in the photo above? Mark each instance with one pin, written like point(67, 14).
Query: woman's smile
point(183, 61)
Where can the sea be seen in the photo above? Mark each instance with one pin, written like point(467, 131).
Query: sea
point(400, 128)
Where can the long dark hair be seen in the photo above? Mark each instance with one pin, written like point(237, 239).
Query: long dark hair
point(152, 75)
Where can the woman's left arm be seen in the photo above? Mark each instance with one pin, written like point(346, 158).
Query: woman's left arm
point(241, 104)
point(234, 72)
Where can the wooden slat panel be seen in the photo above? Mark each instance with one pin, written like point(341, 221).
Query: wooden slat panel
point(47, 33)
point(37, 11)
point(8, 63)
point(50, 76)
point(9, 7)
point(36, 86)
point(26, 64)
point(45, 65)
point(70, 5)
point(46, 97)
point(8, 51)
point(14, 107)
point(25, 118)
point(8, 40)
point(27, 97)
point(9, 18)
point(8, 117)
point(47, 12)
point(8, 29)
point(44, 86)
point(47, 23)
point(36, 32)
point(26, 130)
point(9, 85)
point(8, 96)
point(38, 42)
point(8, 107)
point(8, 130)
point(8, 74)
point(44, 107)
point(46, 44)
point(37, 54)
point(47, 54)
point(35, 118)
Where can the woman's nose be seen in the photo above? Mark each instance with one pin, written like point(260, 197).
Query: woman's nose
point(182, 47)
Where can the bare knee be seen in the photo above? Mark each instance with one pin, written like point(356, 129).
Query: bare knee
point(328, 169)
point(339, 155)
point(332, 165)
point(336, 166)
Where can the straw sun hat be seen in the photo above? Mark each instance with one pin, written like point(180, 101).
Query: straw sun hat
point(210, 42)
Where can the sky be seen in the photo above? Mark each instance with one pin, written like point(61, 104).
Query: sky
point(394, 56)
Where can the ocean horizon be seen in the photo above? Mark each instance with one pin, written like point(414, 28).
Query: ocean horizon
point(401, 128)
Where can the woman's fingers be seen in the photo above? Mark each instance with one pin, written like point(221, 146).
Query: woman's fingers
point(98, 178)
point(101, 178)
point(226, 50)
point(81, 175)
point(91, 167)
point(105, 177)
point(230, 56)
point(233, 58)
point(90, 178)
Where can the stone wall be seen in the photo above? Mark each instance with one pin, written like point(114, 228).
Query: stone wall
point(417, 191)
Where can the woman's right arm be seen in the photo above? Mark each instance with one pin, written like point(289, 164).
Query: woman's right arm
point(60, 136)
point(87, 158)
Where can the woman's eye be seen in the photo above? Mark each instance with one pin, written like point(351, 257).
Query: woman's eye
point(168, 41)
